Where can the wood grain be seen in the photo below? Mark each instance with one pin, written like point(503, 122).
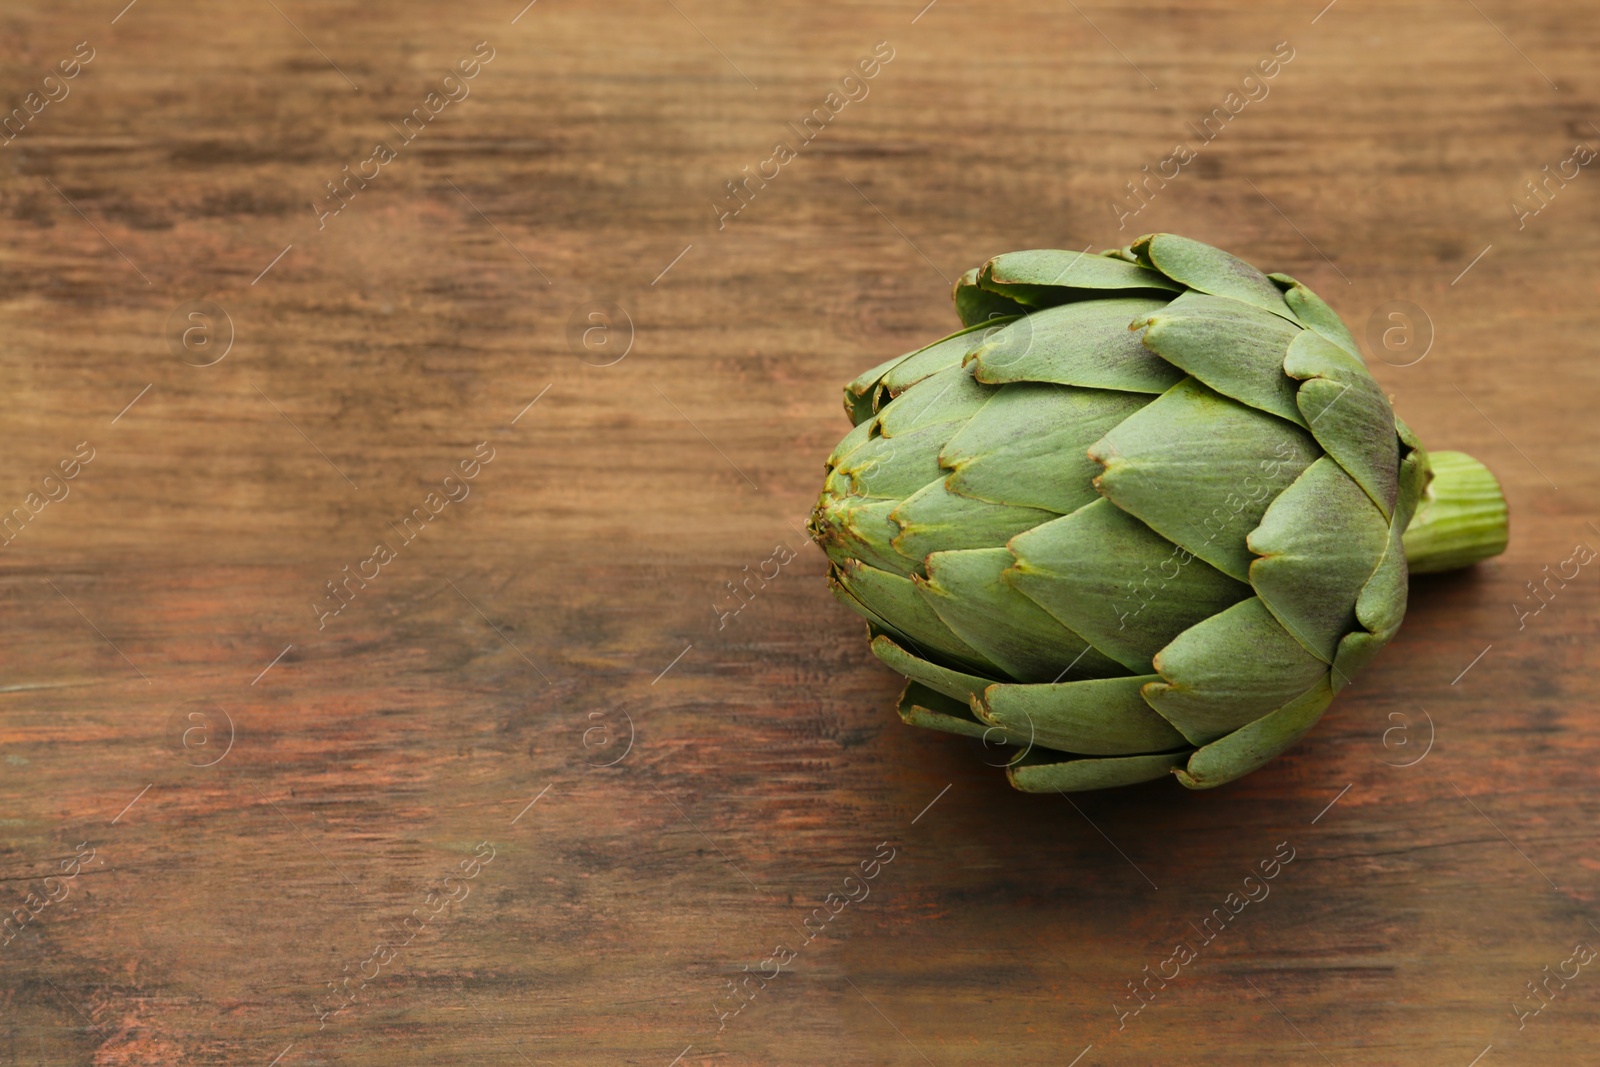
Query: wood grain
point(166, 605)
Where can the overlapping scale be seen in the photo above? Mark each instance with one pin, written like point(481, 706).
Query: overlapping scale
point(1229, 670)
point(896, 600)
point(899, 655)
point(921, 706)
point(1111, 578)
point(1347, 413)
point(1028, 445)
point(951, 394)
point(1098, 717)
point(976, 305)
point(1042, 278)
point(1234, 348)
point(1252, 745)
point(901, 374)
point(1314, 313)
point(1088, 344)
point(968, 591)
point(1205, 269)
point(1200, 469)
point(1318, 544)
point(1045, 772)
point(1382, 601)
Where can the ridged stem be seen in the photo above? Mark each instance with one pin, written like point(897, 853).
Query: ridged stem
point(1461, 518)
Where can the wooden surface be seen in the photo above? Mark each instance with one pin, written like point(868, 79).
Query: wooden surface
point(164, 607)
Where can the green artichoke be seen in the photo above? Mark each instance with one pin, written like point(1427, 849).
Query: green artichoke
point(1147, 513)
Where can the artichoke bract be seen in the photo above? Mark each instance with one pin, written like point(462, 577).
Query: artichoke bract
point(1146, 514)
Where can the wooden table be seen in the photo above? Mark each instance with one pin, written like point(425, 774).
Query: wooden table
point(523, 757)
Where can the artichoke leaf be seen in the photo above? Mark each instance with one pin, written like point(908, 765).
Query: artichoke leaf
point(1087, 344)
point(1248, 747)
point(1028, 445)
point(950, 394)
point(934, 519)
point(861, 528)
point(966, 591)
point(1229, 670)
point(1358, 649)
point(1235, 348)
point(926, 362)
point(1045, 277)
point(1097, 717)
point(958, 685)
point(860, 394)
point(978, 306)
point(1044, 772)
point(1315, 314)
point(1382, 601)
point(1347, 413)
point(921, 706)
point(860, 435)
point(891, 596)
point(1210, 270)
point(894, 467)
point(1318, 542)
point(1200, 469)
point(876, 624)
point(1124, 587)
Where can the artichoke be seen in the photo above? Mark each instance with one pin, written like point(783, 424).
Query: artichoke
point(1146, 514)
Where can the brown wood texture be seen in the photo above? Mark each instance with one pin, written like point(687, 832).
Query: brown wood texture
point(222, 802)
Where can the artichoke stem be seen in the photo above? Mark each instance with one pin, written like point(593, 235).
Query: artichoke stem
point(1461, 518)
